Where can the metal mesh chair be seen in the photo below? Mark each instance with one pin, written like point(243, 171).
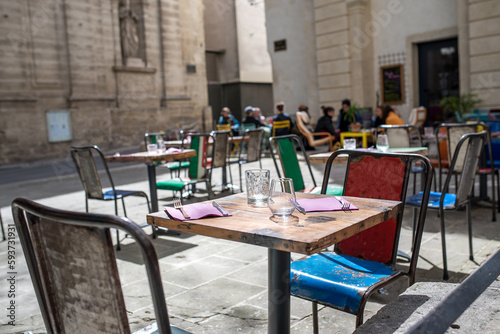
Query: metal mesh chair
point(363, 263)
point(83, 157)
point(74, 272)
point(197, 167)
point(466, 156)
point(250, 151)
point(285, 146)
point(172, 166)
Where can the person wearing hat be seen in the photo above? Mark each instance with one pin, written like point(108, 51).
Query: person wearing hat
point(227, 118)
point(250, 119)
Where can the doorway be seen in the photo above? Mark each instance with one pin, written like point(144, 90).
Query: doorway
point(438, 72)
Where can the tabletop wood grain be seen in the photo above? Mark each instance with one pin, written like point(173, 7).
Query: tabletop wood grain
point(146, 157)
point(314, 232)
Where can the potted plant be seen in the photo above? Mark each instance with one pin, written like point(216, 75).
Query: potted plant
point(350, 116)
point(459, 106)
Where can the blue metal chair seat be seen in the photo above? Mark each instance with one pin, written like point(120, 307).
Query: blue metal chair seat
point(339, 281)
point(434, 198)
point(109, 195)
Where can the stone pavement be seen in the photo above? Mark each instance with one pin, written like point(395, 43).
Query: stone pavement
point(213, 285)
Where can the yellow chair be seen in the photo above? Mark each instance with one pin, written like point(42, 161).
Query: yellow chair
point(223, 127)
point(280, 125)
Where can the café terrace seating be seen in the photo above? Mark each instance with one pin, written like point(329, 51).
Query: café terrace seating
point(250, 150)
point(464, 161)
point(325, 137)
point(74, 271)
point(83, 157)
point(172, 166)
point(284, 145)
point(365, 262)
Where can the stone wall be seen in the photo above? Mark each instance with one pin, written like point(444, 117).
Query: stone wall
point(68, 55)
point(484, 51)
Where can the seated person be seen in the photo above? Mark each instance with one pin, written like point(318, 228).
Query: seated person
point(282, 116)
point(343, 123)
point(325, 123)
point(227, 118)
point(388, 116)
point(250, 119)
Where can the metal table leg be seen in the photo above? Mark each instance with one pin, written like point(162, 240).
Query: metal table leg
point(279, 292)
point(153, 192)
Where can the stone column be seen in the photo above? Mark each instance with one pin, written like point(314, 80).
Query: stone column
point(361, 53)
point(463, 45)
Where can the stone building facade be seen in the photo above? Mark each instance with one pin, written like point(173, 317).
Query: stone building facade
point(100, 72)
point(337, 47)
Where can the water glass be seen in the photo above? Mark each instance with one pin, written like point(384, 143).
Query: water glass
point(257, 182)
point(152, 148)
point(281, 198)
point(350, 144)
point(382, 143)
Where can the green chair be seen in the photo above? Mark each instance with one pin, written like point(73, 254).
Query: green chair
point(197, 167)
point(285, 146)
point(172, 166)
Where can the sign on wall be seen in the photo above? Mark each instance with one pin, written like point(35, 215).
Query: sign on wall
point(392, 84)
point(58, 125)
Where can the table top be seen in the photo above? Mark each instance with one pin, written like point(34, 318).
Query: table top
point(314, 232)
point(147, 157)
point(321, 158)
point(178, 143)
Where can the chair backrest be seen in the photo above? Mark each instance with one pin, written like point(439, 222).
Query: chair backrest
point(247, 126)
point(252, 141)
point(402, 135)
point(223, 127)
point(289, 160)
point(381, 176)
point(73, 268)
point(468, 150)
point(418, 117)
point(83, 158)
point(198, 163)
point(152, 137)
point(454, 132)
point(220, 148)
point(281, 127)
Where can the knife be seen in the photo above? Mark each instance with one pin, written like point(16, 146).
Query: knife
point(220, 208)
point(298, 206)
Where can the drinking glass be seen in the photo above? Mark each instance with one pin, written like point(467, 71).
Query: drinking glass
point(350, 144)
point(382, 143)
point(152, 149)
point(257, 181)
point(281, 199)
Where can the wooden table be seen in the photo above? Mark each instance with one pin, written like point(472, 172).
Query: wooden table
point(316, 231)
point(179, 143)
point(321, 158)
point(365, 134)
point(150, 160)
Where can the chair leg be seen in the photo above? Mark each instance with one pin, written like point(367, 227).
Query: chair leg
point(443, 244)
point(117, 232)
point(241, 182)
point(493, 199)
point(469, 223)
point(124, 210)
point(315, 317)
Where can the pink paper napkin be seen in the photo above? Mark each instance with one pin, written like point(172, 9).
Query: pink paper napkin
point(323, 204)
point(195, 211)
point(173, 150)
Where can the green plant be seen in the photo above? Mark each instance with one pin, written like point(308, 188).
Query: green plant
point(465, 104)
point(350, 114)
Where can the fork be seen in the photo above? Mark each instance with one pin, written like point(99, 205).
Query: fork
point(178, 205)
point(345, 205)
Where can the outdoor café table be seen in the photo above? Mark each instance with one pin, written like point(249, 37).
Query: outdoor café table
point(179, 143)
point(315, 231)
point(319, 158)
point(150, 160)
point(364, 134)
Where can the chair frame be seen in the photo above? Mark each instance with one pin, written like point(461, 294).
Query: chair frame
point(100, 195)
point(293, 138)
point(220, 155)
point(252, 140)
point(171, 166)
point(281, 125)
point(463, 197)
point(28, 214)
point(328, 138)
point(408, 159)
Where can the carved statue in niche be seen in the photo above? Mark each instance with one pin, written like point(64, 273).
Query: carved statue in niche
point(129, 35)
